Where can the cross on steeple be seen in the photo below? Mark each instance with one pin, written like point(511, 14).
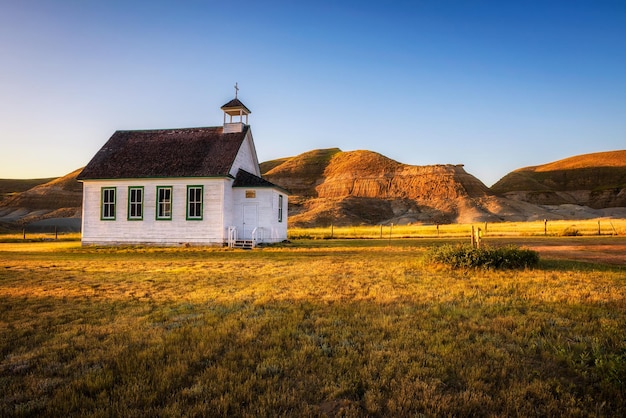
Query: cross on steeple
point(237, 110)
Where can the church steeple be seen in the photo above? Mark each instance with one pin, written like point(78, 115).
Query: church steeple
point(235, 109)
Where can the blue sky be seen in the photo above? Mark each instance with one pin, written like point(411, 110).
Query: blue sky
point(494, 85)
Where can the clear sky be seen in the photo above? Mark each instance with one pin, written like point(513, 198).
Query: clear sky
point(495, 85)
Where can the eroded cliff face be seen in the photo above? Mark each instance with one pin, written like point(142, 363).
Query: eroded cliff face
point(397, 181)
point(334, 174)
point(364, 187)
point(405, 182)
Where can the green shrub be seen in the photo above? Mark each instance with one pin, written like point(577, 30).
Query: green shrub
point(465, 256)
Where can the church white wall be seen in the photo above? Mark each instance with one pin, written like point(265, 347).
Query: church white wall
point(149, 230)
point(246, 158)
point(229, 206)
point(266, 204)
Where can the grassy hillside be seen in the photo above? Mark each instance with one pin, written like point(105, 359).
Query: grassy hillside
point(45, 205)
point(594, 172)
point(597, 159)
point(9, 187)
point(302, 173)
point(58, 193)
point(269, 165)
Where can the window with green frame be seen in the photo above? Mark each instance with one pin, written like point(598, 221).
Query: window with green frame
point(164, 203)
point(194, 202)
point(135, 203)
point(107, 206)
point(280, 208)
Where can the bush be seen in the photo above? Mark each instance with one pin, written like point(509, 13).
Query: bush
point(465, 256)
point(570, 232)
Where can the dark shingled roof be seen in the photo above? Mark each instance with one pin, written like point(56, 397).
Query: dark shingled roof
point(189, 152)
point(245, 179)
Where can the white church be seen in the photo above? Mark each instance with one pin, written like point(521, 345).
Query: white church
point(191, 186)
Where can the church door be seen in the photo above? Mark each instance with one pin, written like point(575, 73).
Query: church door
point(250, 220)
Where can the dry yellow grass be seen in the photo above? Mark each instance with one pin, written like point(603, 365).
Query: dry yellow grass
point(499, 229)
point(597, 159)
point(352, 328)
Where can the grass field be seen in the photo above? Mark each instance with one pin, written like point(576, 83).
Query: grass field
point(312, 328)
point(492, 229)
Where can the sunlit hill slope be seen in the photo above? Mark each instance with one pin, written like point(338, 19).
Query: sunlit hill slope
point(596, 180)
point(330, 186)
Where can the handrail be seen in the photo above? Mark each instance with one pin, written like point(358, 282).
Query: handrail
point(232, 236)
point(257, 234)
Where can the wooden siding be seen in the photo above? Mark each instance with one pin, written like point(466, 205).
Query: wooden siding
point(246, 158)
point(229, 208)
point(266, 202)
point(178, 230)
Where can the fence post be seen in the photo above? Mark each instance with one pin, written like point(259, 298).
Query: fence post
point(473, 238)
point(24, 233)
point(56, 234)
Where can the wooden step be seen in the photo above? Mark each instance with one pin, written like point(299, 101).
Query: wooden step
point(247, 244)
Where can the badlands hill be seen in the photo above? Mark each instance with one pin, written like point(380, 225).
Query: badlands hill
point(330, 186)
point(57, 198)
point(595, 180)
point(9, 187)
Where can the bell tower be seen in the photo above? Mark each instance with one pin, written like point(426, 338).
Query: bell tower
point(236, 112)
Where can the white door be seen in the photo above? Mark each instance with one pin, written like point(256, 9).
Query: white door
point(250, 220)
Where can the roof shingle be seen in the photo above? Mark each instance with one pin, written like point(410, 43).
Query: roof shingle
point(245, 179)
point(235, 104)
point(189, 152)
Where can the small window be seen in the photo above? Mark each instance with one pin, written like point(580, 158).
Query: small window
point(107, 212)
point(250, 194)
point(164, 203)
point(135, 203)
point(194, 202)
point(280, 208)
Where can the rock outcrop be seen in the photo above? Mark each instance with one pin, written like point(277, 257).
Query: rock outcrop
point(364, 187)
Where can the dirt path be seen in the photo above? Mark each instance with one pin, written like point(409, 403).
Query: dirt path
point(605, 254)
point(605, 249)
